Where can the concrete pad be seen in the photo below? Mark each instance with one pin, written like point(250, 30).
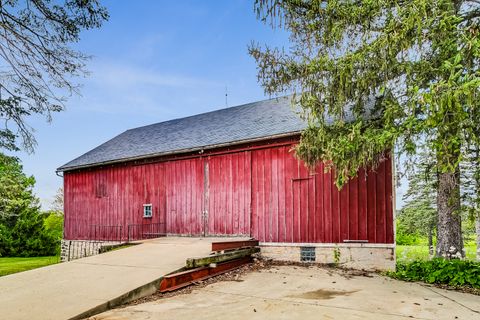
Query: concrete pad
point(307, 293)
point(67, 290)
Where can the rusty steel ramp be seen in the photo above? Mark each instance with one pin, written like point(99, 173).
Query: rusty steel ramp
point(225, 256)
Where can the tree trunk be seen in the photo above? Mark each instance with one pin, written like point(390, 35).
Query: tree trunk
point(449, 225)
point(477, 228)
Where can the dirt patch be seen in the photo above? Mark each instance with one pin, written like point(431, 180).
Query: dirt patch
point(322, 294)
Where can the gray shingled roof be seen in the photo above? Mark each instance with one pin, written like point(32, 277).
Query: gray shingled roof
point(238, 124)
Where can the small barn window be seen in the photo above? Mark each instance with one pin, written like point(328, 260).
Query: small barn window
point(307, 254)
point(147, 210)
point(101, 190)
point(100, 185)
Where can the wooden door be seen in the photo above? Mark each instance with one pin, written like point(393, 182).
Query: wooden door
point(227, 197)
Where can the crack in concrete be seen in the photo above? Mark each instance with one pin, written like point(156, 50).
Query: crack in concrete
point(453, 300)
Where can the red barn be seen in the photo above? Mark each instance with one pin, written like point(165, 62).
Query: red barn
point(230, 172)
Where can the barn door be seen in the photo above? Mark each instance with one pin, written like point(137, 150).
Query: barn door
point(227, 194)
point(184, 186)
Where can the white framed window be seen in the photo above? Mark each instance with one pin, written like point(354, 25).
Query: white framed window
point(147, 210)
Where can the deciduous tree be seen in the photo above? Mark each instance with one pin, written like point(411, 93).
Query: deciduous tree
point(38, 64)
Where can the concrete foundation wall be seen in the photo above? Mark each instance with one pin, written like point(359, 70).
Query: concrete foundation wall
point(351, 255)
point(76, 249)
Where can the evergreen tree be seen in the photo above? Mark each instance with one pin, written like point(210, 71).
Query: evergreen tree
point(22, 228)
point(371, 75)
point(419, 214)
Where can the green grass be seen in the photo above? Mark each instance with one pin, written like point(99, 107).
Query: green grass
point(420, 252)
point(11, 265)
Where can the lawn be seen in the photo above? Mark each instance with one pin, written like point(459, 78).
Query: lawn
point(420, 252)
point(13, 265)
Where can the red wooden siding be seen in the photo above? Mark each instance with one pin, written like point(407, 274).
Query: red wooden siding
point(229, 181)
point(263, 192)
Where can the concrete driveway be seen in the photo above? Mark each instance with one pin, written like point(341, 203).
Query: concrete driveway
point(288, 292)
point(72, 289)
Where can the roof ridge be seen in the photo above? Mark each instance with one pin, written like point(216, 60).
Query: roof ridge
point(208, 112)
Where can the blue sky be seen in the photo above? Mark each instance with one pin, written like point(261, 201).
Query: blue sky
point(152, 61)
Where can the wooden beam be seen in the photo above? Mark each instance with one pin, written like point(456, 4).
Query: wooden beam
point(227, 245)
point(221, 257)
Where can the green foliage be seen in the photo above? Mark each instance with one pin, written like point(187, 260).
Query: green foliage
point(24, 230)
point(416, 219)
point(31, 238)
point(420, 59)
point(54, 224)
point(16, 192)
point(5, 240)
point(406, 237)
point(408, 253)
point(336, 255)
point(440, 271)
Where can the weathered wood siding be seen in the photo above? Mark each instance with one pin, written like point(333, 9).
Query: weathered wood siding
point(262, 192)
point(292, 204)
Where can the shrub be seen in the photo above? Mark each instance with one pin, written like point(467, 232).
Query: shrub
point(440, 271)
point(54, 224)
point(30, 238)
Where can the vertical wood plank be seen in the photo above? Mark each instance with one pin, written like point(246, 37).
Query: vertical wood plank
point(389, 200)
point(353, 209)
point(371, 207)
point(381, 204)
point(362, 205)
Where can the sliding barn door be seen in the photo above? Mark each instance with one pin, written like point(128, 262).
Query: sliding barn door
point(228, 194)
